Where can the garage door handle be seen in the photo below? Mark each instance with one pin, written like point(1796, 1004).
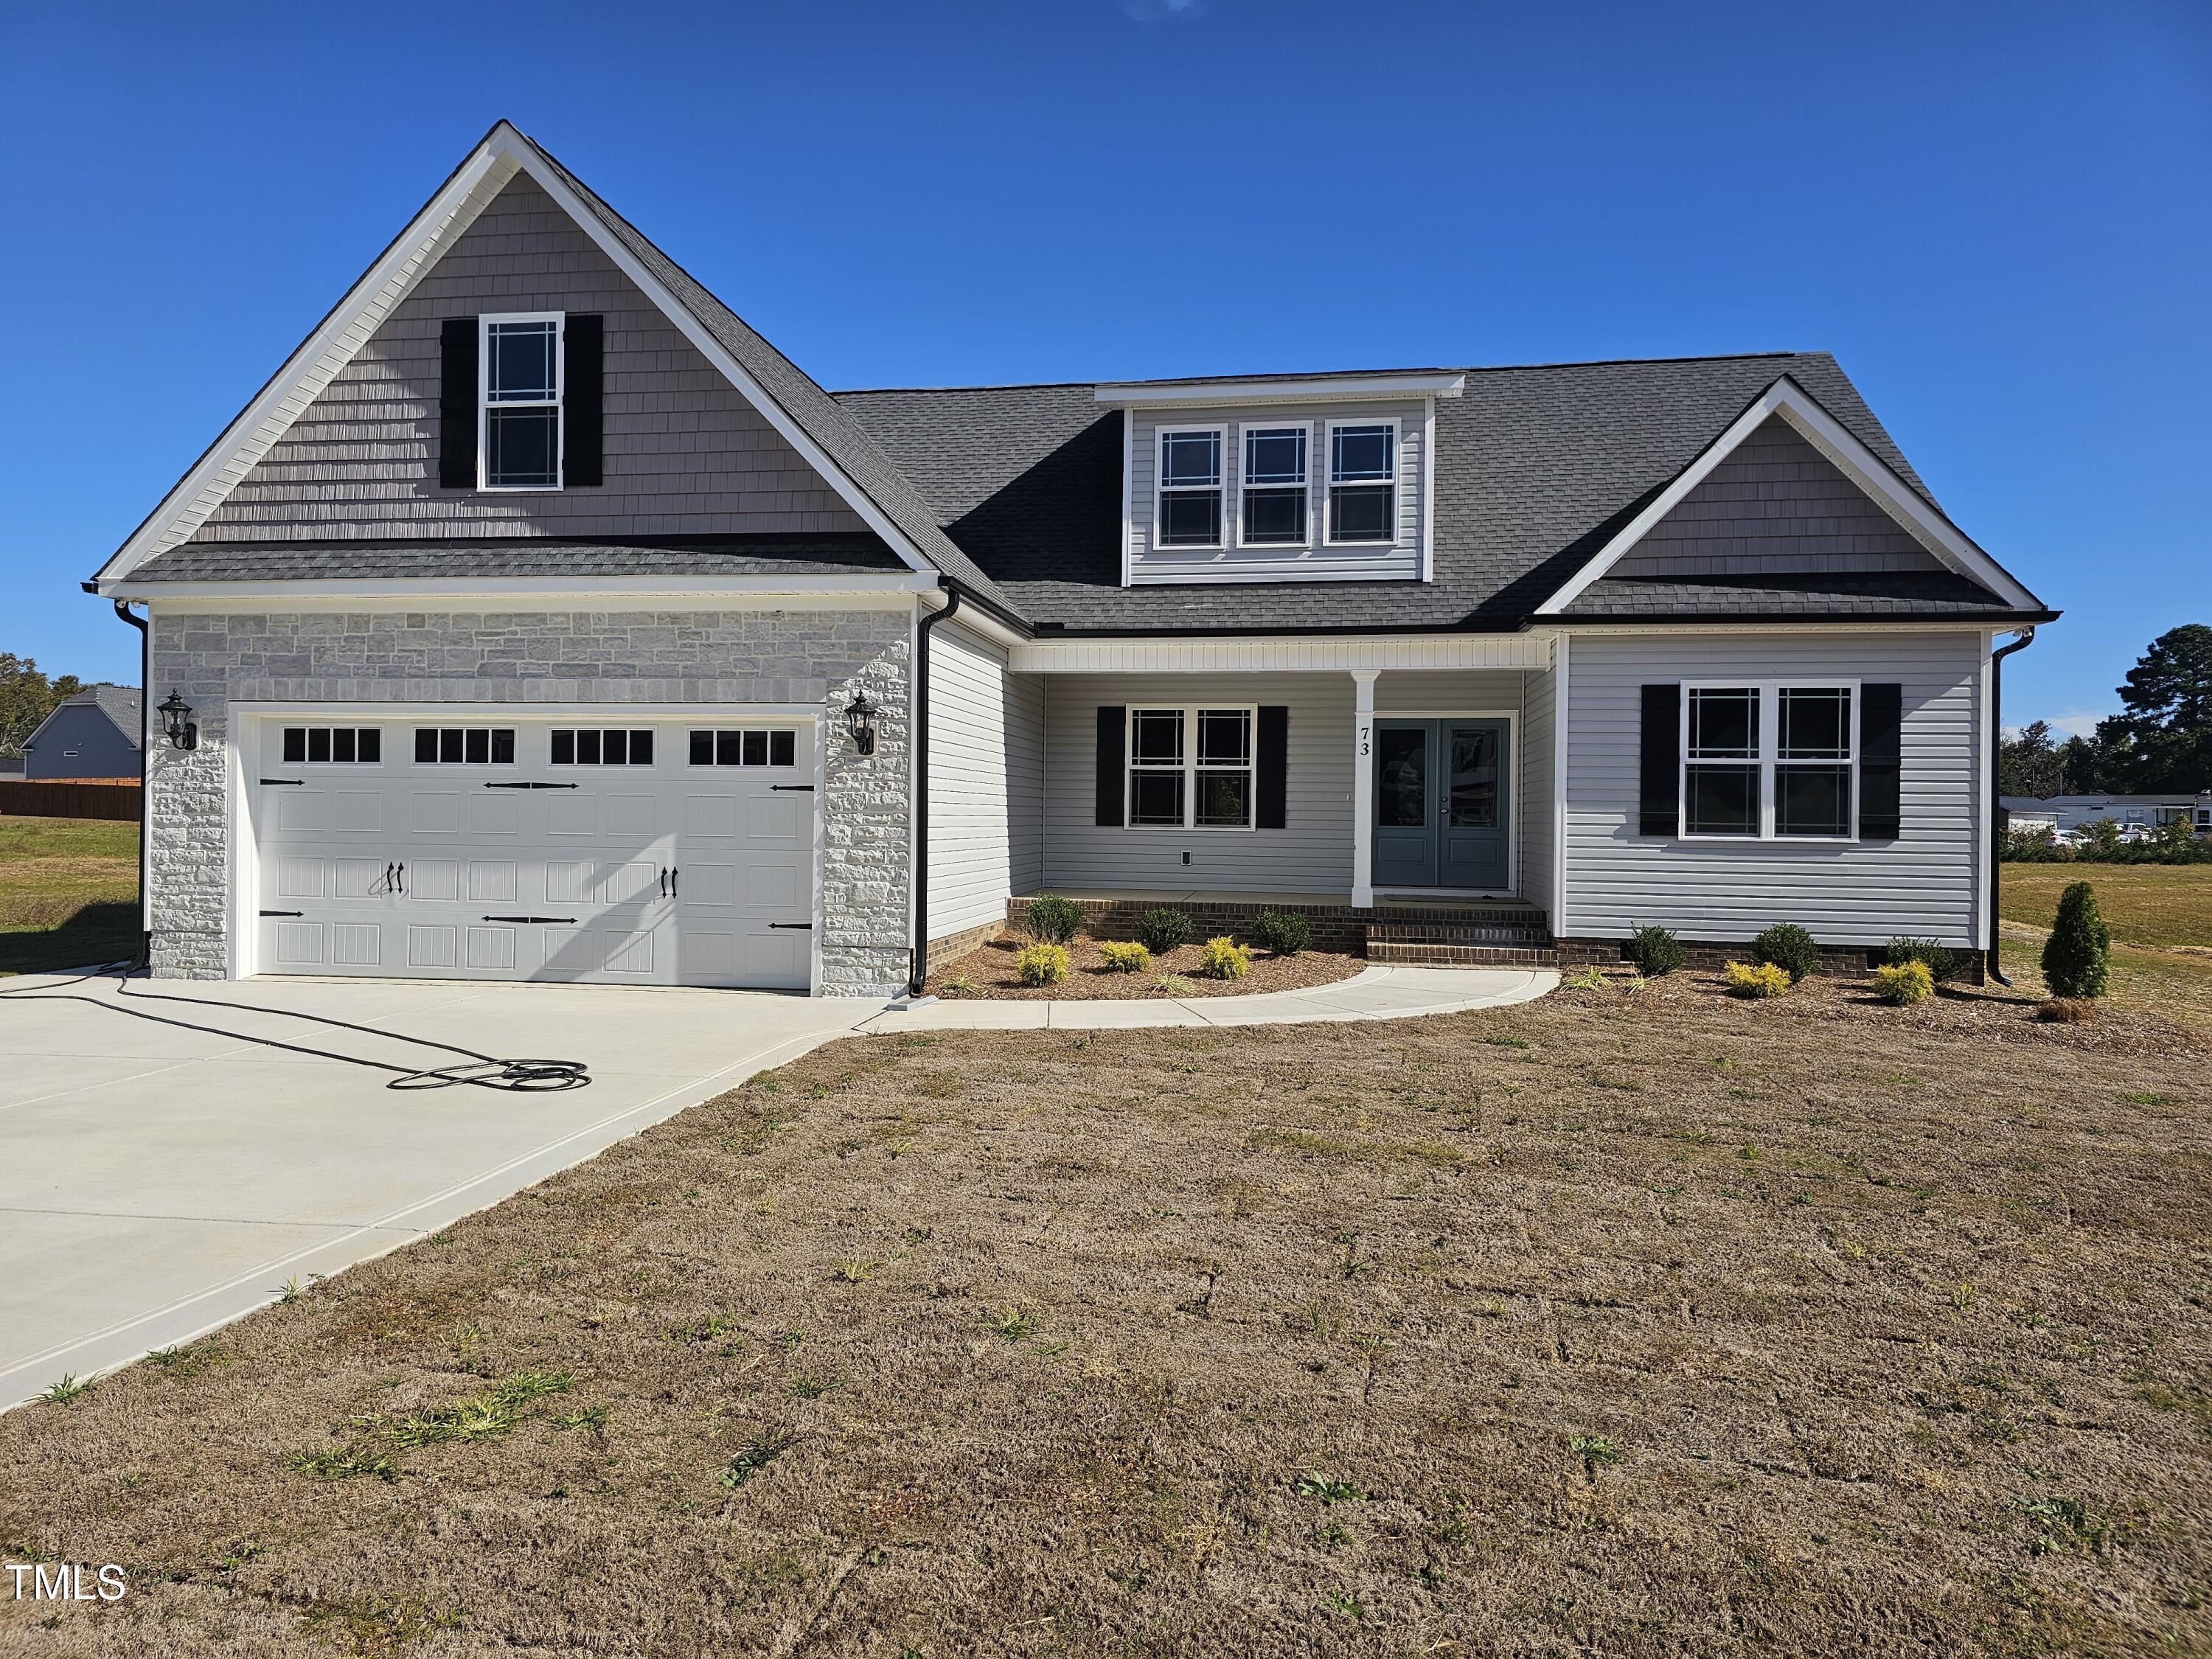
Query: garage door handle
point(802, 926)
point(533, 919)
point(794, 788)
point(283, 913)
point(530, 786)
point(295, 782)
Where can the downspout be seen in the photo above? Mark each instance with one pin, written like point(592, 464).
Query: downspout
point(918, 966)
point(1997, 815)
point(145, 777)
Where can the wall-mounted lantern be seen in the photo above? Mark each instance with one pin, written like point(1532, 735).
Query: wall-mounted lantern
point(177, 716)
point(860, 724)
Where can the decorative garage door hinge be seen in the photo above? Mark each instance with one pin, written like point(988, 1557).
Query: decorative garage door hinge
point(530, 786)
point(794, 788)
point(295, 782)
point(283, 913)
point(802, 926)
point(533, 919)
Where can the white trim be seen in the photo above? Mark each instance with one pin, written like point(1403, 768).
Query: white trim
point(1862, 466)
point(1292, 653)
point(1237, 538)
point(1313, 389)
point(1427, 542)
point(1769, 755)
point(1396, 543)
point(1128, 484)
point(558, 403)
point(342, 335)
point(1985, 792)
point(1362, 787)
point(1219, 429)
point(1561, 677)
point(1190, 770)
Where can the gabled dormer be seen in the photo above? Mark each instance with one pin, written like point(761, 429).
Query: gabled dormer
point(1320, 477)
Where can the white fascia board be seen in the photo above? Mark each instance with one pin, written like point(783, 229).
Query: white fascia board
point(1292, 654)
point(1153, 394)
point(341, 336)
point(1862, 466)
point(1781, 627)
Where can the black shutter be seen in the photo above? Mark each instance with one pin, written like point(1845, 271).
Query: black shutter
point(1271, 788)
point(583, 402)
point(1882, 751)
point(1659, 793)
point(457, 404)
point(1113, 751)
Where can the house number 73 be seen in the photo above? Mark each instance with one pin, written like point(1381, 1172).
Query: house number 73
point(1364, 731)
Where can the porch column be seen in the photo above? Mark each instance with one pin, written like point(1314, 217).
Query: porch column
point(1362, 786)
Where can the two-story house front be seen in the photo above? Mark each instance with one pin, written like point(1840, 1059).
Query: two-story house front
point(539, 619)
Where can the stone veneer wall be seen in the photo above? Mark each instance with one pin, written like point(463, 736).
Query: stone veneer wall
point(555, 659)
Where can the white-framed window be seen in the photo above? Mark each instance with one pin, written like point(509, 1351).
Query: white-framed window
point(519, 368)
point(339, 745)
point(602, 747)
point(1190, 769)
point(1187, 510)
point(752, 745)
point(1770, 760)
point(1363, 482)
point(464, 746)
point(1272, 504)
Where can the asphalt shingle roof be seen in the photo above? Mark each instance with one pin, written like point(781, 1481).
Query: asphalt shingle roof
point(352, 560)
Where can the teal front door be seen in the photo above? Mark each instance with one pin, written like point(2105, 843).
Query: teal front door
point(1441, 810)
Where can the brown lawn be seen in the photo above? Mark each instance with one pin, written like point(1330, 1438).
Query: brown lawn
point(1638, 1324)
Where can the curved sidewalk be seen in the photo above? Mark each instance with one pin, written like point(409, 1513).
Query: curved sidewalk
point(1376, 993)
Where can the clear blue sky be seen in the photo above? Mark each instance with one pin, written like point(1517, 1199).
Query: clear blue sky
point(1995, 216)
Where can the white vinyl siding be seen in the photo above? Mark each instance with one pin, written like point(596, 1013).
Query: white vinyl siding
point(1539, 759)
point(1400, 559)
point(983, 781)
point(1925, 883)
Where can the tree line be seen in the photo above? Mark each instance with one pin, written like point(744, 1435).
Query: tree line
point(2159, 743)
point(27, 697)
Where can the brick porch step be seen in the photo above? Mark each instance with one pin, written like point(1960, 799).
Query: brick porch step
point(1502, 942)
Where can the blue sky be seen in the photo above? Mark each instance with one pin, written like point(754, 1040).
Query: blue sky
point(1994, 216)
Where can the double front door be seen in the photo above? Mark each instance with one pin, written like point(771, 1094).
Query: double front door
point(1441, 804)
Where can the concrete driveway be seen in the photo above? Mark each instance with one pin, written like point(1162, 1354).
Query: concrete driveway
point(156, 1183)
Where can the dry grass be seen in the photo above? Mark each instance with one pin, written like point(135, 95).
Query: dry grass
point(68, 892)
point(1639, 1324)
point(2154, 906)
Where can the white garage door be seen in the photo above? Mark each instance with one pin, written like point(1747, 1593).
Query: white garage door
point(651, 852)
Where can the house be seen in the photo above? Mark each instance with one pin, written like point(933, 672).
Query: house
point(94, 734)
point(2062, 814)
point(538, 619)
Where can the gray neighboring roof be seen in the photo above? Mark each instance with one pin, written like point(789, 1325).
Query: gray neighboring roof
point(119, 703)
point(846, 441)
point(521, 556)
point(1536, 468)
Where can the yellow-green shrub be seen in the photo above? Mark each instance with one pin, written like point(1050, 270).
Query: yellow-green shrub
point(1224, 958)
point(1763, 979)
point(1131, 958)
point(1042, 964)
point(1904, 983)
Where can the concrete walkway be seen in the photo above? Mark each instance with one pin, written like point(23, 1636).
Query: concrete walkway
point(1377, 993)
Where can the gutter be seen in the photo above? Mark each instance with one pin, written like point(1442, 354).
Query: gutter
point(918, 967)
point(1997, 816)
point(145, 755)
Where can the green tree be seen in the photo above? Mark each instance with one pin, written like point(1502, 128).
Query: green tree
point(27, 697)
point(2074, 956)
point(2161, 739)
point(2029, 763)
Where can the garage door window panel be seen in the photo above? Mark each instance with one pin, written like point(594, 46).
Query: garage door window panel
point(464, 746)
point(749, 746)
point(336, 745)
point(601, 746)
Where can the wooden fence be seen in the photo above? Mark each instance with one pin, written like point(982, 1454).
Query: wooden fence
point(87, 798)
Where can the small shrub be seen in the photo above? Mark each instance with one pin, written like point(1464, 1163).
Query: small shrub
point(1942, 962)
point(1163, 931)
point(1788, 947)
point(1173, 984)
point(1765, 979)
point(1655, 951)
point(1053, 919)
point(959, 985)
point(1282, 933)
point(1223, 957)
point(1904, 982)
point(2074, 956)
point(1590, 979)
point(1042, 964)
point(2066, 1010)
point(1126, 958)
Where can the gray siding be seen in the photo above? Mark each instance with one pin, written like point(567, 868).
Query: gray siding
point(1312, 856)
point(1027, 696)
point(1148, 563)
point(1776, 506)
point(983, 780)
point(80, 741)
point(1925, 883)
point(686, 454)
point(1539, 756)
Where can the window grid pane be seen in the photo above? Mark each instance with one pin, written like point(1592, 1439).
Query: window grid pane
point(1721, 800)
point(1190, 459)
point(1275, 456)
point(1156, 736)
point(1225, 799)
point(1816, 723)
point(1155, 799)
point(1224, 737)
point(1813, 800)
point(1724, 723)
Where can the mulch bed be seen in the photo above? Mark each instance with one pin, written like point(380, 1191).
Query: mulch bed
point(989, 970)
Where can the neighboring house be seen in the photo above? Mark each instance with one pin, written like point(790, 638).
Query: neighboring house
point(533, 614)
point(94, 734)
point(2063, 813)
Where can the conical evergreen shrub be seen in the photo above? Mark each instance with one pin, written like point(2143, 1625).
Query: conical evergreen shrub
point(2074, 957)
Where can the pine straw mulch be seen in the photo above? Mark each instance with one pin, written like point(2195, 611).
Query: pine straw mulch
point(1641, 1324)
point(988, 973)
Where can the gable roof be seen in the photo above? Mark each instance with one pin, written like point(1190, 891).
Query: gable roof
point(119, 703)
point(807, 418)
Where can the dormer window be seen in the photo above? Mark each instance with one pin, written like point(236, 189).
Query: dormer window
point(1274, 502)
point(1363, 482)
point(1190, 487)
point(521, 405)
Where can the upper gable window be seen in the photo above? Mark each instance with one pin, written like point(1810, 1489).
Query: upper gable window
point(1363, 482)
point(520, 407)
point(1190, 487)
point(1273, 503)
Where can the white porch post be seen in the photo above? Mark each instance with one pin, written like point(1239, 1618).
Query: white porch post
point(1363, 786)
